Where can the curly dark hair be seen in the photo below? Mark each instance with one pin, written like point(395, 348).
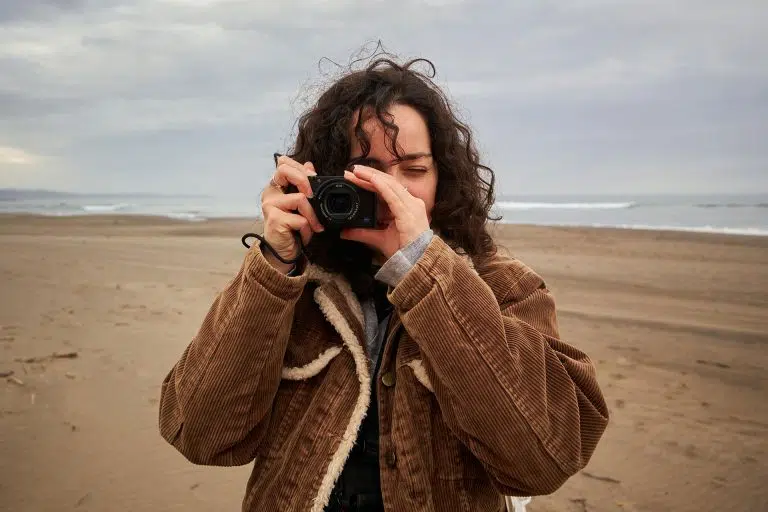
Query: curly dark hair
point(465, 187)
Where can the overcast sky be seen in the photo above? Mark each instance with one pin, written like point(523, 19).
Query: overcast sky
point(194, 96)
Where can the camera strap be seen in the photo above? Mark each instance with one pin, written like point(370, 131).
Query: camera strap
point(273, 251)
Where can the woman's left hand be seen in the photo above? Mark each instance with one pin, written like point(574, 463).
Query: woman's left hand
point(409, 214)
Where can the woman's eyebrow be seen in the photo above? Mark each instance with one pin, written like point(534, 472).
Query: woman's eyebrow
point(411, 156)
point(406, 157)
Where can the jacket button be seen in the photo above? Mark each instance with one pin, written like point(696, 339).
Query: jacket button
point(388, 379)
point(391, 459)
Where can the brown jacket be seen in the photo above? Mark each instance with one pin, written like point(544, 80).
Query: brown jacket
point(479, 400)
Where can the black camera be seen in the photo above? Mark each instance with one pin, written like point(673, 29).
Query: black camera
point(340, 203)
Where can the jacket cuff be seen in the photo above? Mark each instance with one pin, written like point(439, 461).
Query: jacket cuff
point(416, 284)
point(258, 270)
point(395, 268)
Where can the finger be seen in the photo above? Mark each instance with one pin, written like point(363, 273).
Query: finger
point(310, 168)
point(357, 181)
point(372, 237)
point(401, 191)
point(294, 222)
point(365, 172)
point(298, 201)
point(280, 181)
point(385, 188)
point(286, 224)
point(286, 160)
point(287, 174)
point(368, 173)
point(300, 224)
point(306, 234)
point(290, 162)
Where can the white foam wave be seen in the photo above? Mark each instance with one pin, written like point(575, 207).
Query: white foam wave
point(106, 208)
point(516, 205)
point(694, 229)
point(746, 231)
point(192, 217)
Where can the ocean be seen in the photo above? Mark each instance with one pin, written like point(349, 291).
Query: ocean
point(729, 214)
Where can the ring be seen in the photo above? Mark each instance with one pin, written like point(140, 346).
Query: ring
point(273, 183)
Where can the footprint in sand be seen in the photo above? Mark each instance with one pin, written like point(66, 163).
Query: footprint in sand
point(719, 482)
point(8, 333)
point(622, 347)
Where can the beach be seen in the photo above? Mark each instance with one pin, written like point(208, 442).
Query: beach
point(95, 310)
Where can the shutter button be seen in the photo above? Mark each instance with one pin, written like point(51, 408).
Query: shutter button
point(388, 379)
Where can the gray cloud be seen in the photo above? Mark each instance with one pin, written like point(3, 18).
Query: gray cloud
point(584, 95)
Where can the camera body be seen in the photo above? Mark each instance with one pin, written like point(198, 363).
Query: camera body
point(340, 203)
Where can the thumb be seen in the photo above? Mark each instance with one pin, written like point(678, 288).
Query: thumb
point(371, 237)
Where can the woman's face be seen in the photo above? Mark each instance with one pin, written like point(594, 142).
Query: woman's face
point(416, 171)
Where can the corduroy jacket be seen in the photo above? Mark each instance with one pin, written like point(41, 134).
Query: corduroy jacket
point(479, 397)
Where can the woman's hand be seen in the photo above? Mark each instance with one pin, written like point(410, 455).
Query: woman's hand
point(409, 214)
point(285, 213)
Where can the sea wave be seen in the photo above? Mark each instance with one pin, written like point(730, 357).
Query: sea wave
point(731, 205)
point(695, 229)
point(516, 205)
point(106, 208)
point(188, 216)
point(745, 231)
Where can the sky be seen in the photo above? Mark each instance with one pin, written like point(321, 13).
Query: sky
point(568, 96)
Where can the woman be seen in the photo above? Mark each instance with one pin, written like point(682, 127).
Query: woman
point(405, 367)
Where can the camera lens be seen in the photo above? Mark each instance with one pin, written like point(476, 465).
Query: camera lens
point(339, 203)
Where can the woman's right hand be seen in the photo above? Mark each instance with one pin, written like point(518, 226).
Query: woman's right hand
point(284, 213)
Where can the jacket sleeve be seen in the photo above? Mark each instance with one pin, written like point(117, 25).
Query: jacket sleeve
point(215, 402)
point(524, 402)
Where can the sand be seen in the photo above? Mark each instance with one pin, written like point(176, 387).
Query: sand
point(95, 310)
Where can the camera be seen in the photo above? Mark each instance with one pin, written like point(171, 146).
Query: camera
point(339, 203)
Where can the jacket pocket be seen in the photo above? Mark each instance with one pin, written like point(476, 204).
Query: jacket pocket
point(424, 425)
point(287, 406)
